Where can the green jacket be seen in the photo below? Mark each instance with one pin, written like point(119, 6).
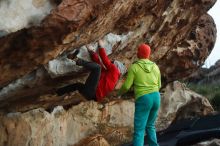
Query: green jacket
point(144, 75)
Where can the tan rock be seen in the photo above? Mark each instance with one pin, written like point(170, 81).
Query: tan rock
point(64, 128)
point(94, 123)
point(96, 140)
point(179, 102)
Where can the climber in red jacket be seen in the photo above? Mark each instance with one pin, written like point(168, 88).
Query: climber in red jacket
point(103, 77)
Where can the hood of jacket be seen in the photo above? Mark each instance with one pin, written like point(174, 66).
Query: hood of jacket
point(145, 64)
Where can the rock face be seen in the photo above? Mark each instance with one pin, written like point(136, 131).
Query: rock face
point(214, 142)
point(91, 123)
point(190, 53)
point(179, 102)
point(37, 35)
point(62, 128)
point(206, 75)
point(174, 29)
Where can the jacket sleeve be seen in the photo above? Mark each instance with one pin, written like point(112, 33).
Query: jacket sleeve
point(95, 58)
point(128, 82)
point(106, 61)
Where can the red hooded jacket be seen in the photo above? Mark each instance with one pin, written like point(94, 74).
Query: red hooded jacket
point(109, 74)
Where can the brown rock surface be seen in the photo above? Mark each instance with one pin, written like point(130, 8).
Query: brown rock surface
point(191, 52)
point(97, 140)
point(175, 30)
point(33, 63)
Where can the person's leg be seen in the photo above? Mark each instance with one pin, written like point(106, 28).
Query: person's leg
point(142, 109)
point(91, 83)
point(150, 128)
point(69, 88)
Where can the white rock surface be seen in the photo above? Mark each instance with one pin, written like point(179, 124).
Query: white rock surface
point(18, 14)
point(62, 65)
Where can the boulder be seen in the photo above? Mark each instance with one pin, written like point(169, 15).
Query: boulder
point(93, 123)
point(33, 48)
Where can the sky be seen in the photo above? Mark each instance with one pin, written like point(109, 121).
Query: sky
point(215, 54)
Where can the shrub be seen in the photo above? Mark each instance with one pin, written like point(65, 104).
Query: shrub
point(216, 101)
point(212, 92)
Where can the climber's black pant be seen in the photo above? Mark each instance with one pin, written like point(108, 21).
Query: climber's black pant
point(88, 90)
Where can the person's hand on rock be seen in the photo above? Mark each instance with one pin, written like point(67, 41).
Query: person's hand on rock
point(101, 43)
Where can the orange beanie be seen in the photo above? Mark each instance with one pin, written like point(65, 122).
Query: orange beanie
point(143, 51)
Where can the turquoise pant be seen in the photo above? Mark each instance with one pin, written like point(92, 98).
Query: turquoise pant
point(146, 111)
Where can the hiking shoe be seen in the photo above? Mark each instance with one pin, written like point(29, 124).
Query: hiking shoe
point(73, 55)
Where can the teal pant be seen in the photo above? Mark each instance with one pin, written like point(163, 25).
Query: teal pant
point(146, 111)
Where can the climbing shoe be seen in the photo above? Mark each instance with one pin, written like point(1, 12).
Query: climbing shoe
point(73, 55)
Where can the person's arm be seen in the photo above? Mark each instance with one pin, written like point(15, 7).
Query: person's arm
point(94, 56)
point(105, 60)
point(128, 82)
